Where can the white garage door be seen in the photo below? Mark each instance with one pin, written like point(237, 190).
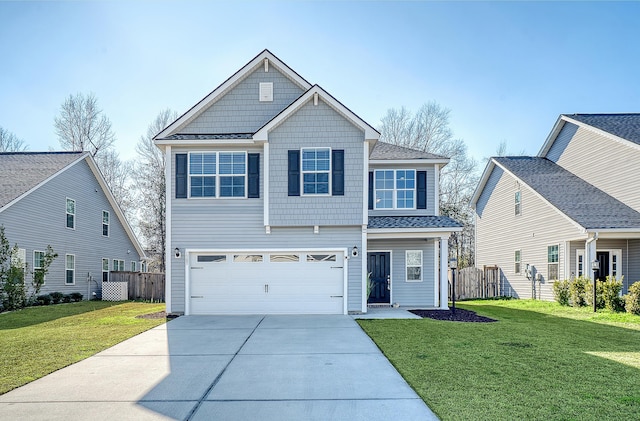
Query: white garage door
point(287, 282)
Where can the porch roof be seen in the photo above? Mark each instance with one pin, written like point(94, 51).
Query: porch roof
point(386, 222)
point(580, 201)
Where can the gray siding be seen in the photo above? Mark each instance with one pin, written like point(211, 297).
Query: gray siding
point(609, 165)
point(421, 294)
point(39, 219)
point(431, 188)
point(499, 233)
point(316, 126)
point(240, 111)
point(633, 264)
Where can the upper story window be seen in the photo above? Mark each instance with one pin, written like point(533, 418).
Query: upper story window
point(395, 189)
point(518, 203)
point(71, 213)
point(217, 174)
point(105, 223)
point(316, 168)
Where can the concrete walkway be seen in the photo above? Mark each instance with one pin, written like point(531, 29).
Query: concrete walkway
point(228, 368)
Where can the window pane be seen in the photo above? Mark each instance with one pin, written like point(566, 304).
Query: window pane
point(232, 186)
point(203, 186)
point(69, 278)
point(284, 258)
point(232, 163)
point(414, 273)
point(70, 221)
point(414, 258)
point(105, 264)
point(105, 217)
point(552, 254)
point(70, 261)
point(214, 259)
point(71, 206)
point(316, 183)
point(38, 257)
point(321, 257)
point(244, 258)
point(384, 199)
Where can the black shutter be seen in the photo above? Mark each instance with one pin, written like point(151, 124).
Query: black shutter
point(294, 173)
point(253, 175)
point(337, 172)
point(181, 176)
point(370, 189)
point(422, 190)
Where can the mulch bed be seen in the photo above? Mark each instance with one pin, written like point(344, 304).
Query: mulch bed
point(158, 315)
point(459, 315)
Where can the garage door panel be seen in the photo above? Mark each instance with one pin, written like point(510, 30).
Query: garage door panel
point(281, 283)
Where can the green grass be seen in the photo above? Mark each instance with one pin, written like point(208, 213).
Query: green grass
point(539, 361)
point(39, 340)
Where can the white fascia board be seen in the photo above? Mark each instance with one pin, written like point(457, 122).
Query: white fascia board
point(439, 161)
point(112, 201)
point(205, 142)
point(381, 233)
point(555, 131)
point(616, 233)
point(234, 79)
point(369, 132)
point(483, 181)
point(81, 157)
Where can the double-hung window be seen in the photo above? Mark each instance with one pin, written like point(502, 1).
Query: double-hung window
point(38, 260)
point(395, 189)
point(414, 265)
point(105, 270)
point(518, 203)
point(105, 223)
point(517, 260)
point(118, 265)
point(71, 213)
point(552, 263)
point(70, 272)
point(217, 174)
point(316, 168)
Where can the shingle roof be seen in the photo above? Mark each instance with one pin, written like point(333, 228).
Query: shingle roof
point(626, 126)
point(584, 203)
point(209, 136)
point(412, 222)
point(21, 171)
point(384, 150)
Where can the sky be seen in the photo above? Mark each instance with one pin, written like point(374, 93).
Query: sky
point(506, 70)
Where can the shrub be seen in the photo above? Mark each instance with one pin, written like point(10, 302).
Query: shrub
point(577, 292)
point(561, 292)
point(66, 298)
point(611, 289)
point(599, 294)
point(76, 296)
point(44, 299)
point(632, 304)
point(56, 297)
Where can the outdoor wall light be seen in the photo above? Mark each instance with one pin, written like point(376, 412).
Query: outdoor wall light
point(354, 251)
point(177, 253)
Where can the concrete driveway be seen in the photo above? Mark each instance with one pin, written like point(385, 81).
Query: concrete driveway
point(228, 368)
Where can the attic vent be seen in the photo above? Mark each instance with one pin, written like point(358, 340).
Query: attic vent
point(266, 91)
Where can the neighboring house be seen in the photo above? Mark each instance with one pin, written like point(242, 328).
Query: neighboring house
point(61, 199)
point(577, 201)
point(282, 200)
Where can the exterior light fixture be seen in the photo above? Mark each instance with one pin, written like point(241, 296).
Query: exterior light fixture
point(595, 267)
point(177, 253)
point(354, 251)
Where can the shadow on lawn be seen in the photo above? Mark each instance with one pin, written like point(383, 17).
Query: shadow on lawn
point(31, 316)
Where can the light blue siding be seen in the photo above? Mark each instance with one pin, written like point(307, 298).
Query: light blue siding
point(240, 111)
point(316, 126)
point(39, 219)
point(419, 294)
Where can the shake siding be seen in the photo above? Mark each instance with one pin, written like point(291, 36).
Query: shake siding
point(39, 219)
point(403, 292)
point(499, 233)
point(316, 126)
point(609, 165)
point(240, 111)
point(430, 210)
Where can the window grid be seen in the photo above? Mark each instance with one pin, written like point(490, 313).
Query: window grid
point(217, 174)
point(316, 167)
point(395, 189)
point(71, 213)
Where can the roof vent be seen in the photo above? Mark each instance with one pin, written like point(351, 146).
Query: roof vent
point(266, 91)
point(266, 65)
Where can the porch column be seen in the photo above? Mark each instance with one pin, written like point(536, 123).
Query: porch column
point(589, 256)
point(444, 271)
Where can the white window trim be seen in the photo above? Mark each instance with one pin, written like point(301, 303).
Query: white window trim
point(217, 176)
point(406, 265)
point(66, 212)
point(519, 262)
point(133, 266)
point(518, 202)
point(108, 224)
point(39, 267)
point(117, 267)
point(67, 269)
point(579, 254)
point(395, 189)
point(105, 271)
point(303, 172)
point(588, 273)
point(553, 263)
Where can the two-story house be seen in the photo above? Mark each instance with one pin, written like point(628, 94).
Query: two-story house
point(575, 202)
point(61, 199)
point(282, 200)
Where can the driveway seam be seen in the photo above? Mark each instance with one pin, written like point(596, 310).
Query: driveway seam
point(217, 379)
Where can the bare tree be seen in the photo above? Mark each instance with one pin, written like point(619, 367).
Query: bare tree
point(9, 142)
point(81, 125)
point(149, 173)
point(117, 173)
point(429, 130)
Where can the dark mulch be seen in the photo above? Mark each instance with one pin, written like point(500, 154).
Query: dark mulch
point(459, 315)
point(158, 315)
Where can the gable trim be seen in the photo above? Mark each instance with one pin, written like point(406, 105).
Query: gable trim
point(262, 135)
point(217, 93)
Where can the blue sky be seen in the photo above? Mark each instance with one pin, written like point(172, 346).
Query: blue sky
point(505, 69)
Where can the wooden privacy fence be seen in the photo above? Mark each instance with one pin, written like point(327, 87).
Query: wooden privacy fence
point(142, 285)
point(474, 282)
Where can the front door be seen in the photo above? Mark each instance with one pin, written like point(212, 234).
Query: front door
point(379, 266)
point(603, 258)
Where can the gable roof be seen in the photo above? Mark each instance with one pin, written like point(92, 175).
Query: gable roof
point(583, 203)
point(225, 86)
point(388, 151)
point(23, 172)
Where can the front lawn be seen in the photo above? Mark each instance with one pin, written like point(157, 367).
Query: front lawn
point(36, 341)
point(539, 361)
